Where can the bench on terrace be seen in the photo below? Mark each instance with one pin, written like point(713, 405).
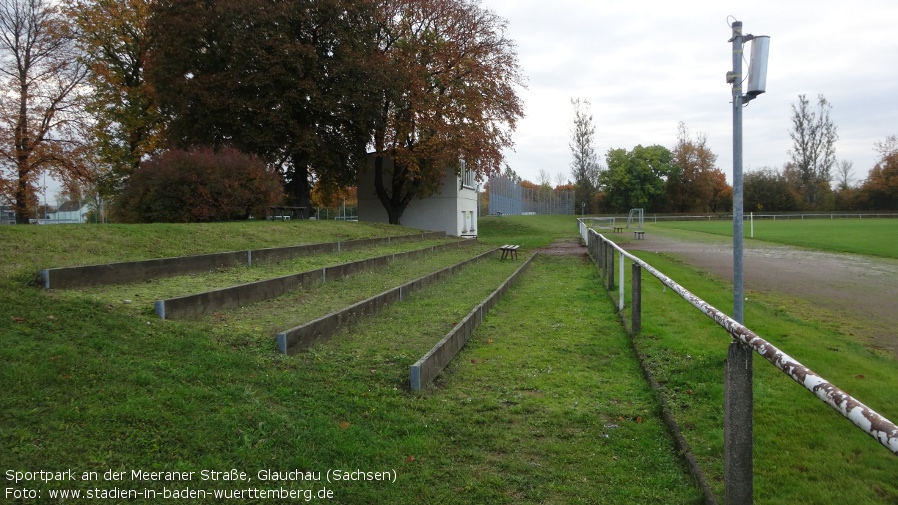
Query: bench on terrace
point(509, 250)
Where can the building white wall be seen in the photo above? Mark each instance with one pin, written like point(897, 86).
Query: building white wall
point(453, 209)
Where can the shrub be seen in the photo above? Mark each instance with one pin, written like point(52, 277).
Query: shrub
point(198, 185)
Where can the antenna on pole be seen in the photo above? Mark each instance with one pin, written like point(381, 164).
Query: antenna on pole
point(738, 390)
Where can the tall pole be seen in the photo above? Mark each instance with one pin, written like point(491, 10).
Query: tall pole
point(738, 394)
point(738, 292)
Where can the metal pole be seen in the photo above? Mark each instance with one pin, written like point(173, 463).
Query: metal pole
point(636, 301)
point(738, 293)
point(738, 391)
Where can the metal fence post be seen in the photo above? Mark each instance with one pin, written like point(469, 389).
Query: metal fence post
point(610, 267)
point(636, 300)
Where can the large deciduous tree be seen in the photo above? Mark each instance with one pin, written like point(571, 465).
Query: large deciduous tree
point(769, 190)
point(40, 76)
point(449, 95)
point(813, 150)
point(126, 126)
point(695, 185)
point(288, 81)
point(585, 163)
point(636, 178)
point(879, 190)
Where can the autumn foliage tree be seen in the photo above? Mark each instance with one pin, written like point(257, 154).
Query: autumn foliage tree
point(114, 39)
point(697, 185)
point(288, 81)
point(449, 96)
point(879, 190)
point(40, 76)
point(198, 185)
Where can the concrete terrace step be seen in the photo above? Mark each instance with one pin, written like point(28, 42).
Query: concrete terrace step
point(305, 335)
point(139, 271)
point(207, 302)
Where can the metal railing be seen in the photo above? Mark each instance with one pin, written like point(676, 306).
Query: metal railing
point(788, 216)
point(869, 421)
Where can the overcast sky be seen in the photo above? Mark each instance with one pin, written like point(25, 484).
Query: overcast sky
point(647, 65)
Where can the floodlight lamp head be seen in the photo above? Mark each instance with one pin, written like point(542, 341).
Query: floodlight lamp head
point(757, 67)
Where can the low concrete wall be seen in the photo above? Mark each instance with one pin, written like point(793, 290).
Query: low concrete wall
point(196, 305)
point(139, 271)
point(304, 336)
point(432, 363)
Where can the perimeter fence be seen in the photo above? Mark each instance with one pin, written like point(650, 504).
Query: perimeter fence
point(768, 216)
point(508, 197)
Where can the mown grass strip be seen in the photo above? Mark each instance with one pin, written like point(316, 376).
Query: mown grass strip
point(876, 237)
point(146, 270)
point(252, 292)
point(304, 336)
point(28, 249)
point(557, 408)
point(431, 364)
point(803, 450)
point(140, 297)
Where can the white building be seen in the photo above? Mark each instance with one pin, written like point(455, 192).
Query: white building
point(69, 212)
point(453, 209)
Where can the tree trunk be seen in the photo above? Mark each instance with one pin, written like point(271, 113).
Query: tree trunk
point(21, 199)
point(394, 202)
point(299, 191)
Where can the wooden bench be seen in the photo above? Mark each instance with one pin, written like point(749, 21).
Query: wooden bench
point(509, 250)
point(618, 229)
point(285, 213)
point(639, 235)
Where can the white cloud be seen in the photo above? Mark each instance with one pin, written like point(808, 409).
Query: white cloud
point(645, 66)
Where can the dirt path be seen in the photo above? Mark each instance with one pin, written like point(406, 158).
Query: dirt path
point(860, 287)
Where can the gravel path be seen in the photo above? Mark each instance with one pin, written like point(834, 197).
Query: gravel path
point(861, 287)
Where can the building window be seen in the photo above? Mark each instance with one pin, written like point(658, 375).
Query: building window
point(467, 176)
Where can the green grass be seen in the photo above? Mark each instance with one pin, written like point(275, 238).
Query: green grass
point(544, 405)
point(875, 237)
point(27, 249)
point(527, 231)
point(92, 383)
point(804, 451)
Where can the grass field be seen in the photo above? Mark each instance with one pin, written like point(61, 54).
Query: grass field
point(875, 237)
point(546, 404)
point(548, 409)
point(804, 451)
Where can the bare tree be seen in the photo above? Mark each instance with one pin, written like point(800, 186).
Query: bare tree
point(560, 179)
point(887, 146)
point(543, 178)
point(40, 75)
point(843, 174)
point(813, 150)
point(585, 165)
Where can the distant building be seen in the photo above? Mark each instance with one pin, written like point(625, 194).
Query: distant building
point(7, 214)
point(453, 209)
point(68, 212)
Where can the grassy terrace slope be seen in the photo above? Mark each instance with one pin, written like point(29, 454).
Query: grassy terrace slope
point(545, 405)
